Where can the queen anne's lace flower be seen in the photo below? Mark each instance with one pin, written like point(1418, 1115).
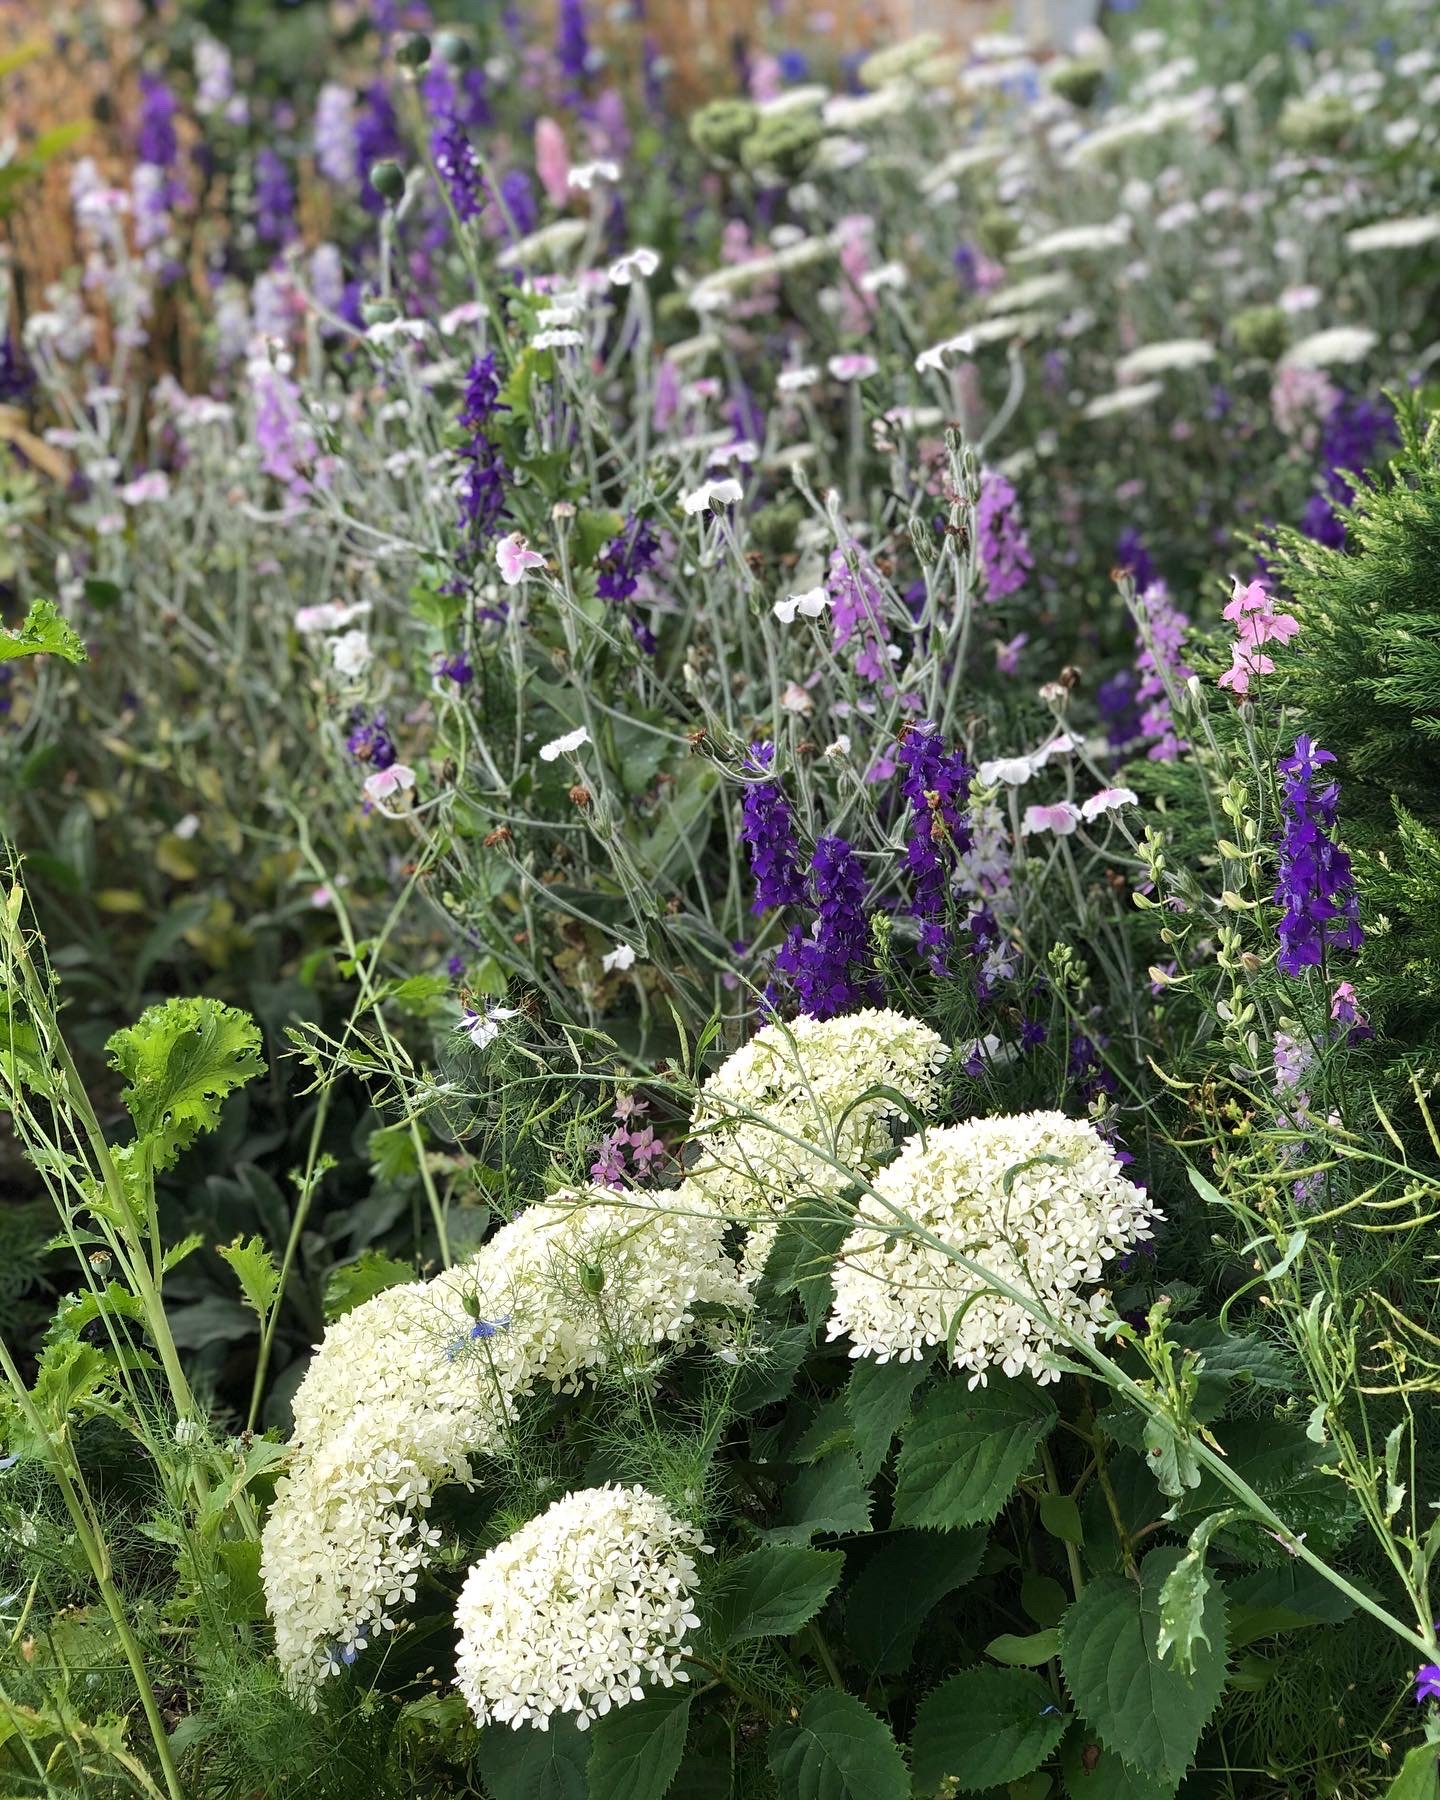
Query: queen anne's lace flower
point(1069, 1210)
point(575, 1611)
point(770, 1118)
point(408, 1387)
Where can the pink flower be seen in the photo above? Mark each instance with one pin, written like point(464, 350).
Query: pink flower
point(853, 366)
point(1243, 600)
point(1267, 628)
point(515, 556)
point(1061, 818)
point(1108, 800)
point(1343, 1007)
point(1246, 661)
point(1007, 655)
point(385, 784)
point(552, 161)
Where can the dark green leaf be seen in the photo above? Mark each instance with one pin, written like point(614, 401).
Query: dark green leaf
point(1094, 1773)
point(839, 1750)
point(984, 1727)
point(964, 1450)
point(535, 1765)
point(638, 1747)
point(256, 1271)
point(1024, 1652)
point(1061, 1518)
point(1287, 1598)
point(772, 1592)
point(353, 1283)
point(1144, 1709)
point(878, 1397)
point(899, 1587)
point(770, 1378)
point(829, 1497)
point(1417, 1779)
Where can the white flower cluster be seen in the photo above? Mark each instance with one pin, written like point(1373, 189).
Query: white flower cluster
point(1039, 1200)
point(408, 1387)
point(772, 1117)
point(577, 1609)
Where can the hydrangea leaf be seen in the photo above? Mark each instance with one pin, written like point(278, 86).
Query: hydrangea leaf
point(899, 1587)
point(1286, 1598)
point(984, 1727)
point(803, 1253)
point(1418, 1779)
point(827, 1497)
point(964, 1450)
point(838, 1750)
point(42, 633)
point(772, 1592)
point(637, 1748)
point(1140, 1706)
point(878, 1397)
point(353, 1283)
point(1095, 1773)
point(535, 1765)
point(180, 1060)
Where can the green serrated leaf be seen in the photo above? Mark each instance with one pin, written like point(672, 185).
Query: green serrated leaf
point(1148, 1712)
point(42, 633)
point(984, 1727)
point(828, 1497)
point(1289, 1597)
point(256, 1271)
point(838, 1750)
point(772, 1592)
point(180, 1060)
point(1418, 1778)
point(177, 1253)
point(535, 1765)
point(351, 1284)
point(964, 1450)
point(637, 1748)
point(899, 1587)
point(878, 1397)
point(1094, 1773)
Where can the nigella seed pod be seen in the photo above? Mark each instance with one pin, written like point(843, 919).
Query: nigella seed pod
point(388, 180)
point(454, 49)
point(414, 53)
point(592, 1278)
point(379, 312)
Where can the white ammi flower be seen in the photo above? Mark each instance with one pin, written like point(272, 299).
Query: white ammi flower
point(770, 1119)
point(1162, 357)
point(1123, 400)
point(1338, 344)
point(578, 1609)
point(1038, 1200)
point(1395, 234)
point(1076, 240)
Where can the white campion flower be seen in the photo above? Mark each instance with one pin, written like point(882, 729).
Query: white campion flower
point(769, 1120)
point(329, 615)
point(637, 264)
point(578, 1610)
point(811, 604)
point(386, 784)
point(1038, 1200)
point(618, 960)
point(792, 381)
point(710, 495)
point(1338, 344)
point(585, 176)
point(562, 746)
point(1395, 234)
point(351, 655)
point(1076, 240)
point(1062, 817)
point(563, 339)
point(853, 366)
point(1108, 800)
point(392, 331)
point(1162, 357)
point(154, 484)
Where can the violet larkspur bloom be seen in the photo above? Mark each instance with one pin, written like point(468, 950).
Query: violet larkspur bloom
point(936, 782)
point(1356, 433)
point(1131, 554)
point(1427, 1683)
point(831, 965)
point(1161, 664)
point(768, 829)
point(629, 555)
point(459, 168)
point(274, 199)
point(572, 40)
point(1000, 538)
point(1314, 884)
point(377, 137)
point(369, 741)
point(483, 474)
point(857, 617)
point(155, 139)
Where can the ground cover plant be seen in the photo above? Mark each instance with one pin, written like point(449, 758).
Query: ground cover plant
point(718, 966)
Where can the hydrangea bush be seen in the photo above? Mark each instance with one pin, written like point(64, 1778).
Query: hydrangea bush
point(717, 991)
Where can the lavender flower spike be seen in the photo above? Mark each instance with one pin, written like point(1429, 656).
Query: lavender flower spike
point(1314, 883)
point(769, 831)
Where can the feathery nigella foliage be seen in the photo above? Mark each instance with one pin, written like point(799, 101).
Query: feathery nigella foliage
point(1314, 885)
point(936, 782)
point(768, 829)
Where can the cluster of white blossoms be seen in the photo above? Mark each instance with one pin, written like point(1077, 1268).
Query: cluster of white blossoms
point(1039, 1200)
point(408, 1387)
point(578, 1609)
point(774, 1120)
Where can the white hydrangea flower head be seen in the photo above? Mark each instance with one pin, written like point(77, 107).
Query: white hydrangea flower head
point(411, 1385)
point(345, 1541)
point(1069, 1211)
point(771, 1117)
point(578, 1609)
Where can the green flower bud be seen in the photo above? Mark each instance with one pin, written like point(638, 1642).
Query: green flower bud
point(997, 231)
point(388, 180)
point(786, 145)
point(379, 312)
point(592, 1278)
point(1078, 80)
point(775, 528)
point(1260, 331)
point(414, 52)
point(454, 49)
point(927, 547)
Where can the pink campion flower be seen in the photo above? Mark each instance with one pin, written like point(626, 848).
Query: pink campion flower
point(853, 365)
point(1108, 800)
point(387, 784)
point(154, 484)
point(1062, 818)
point(1246, 662)
point(515, 557)
point(552, 161)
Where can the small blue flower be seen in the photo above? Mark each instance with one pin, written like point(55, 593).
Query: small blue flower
point(487, 1328)
point(1427, 1683)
